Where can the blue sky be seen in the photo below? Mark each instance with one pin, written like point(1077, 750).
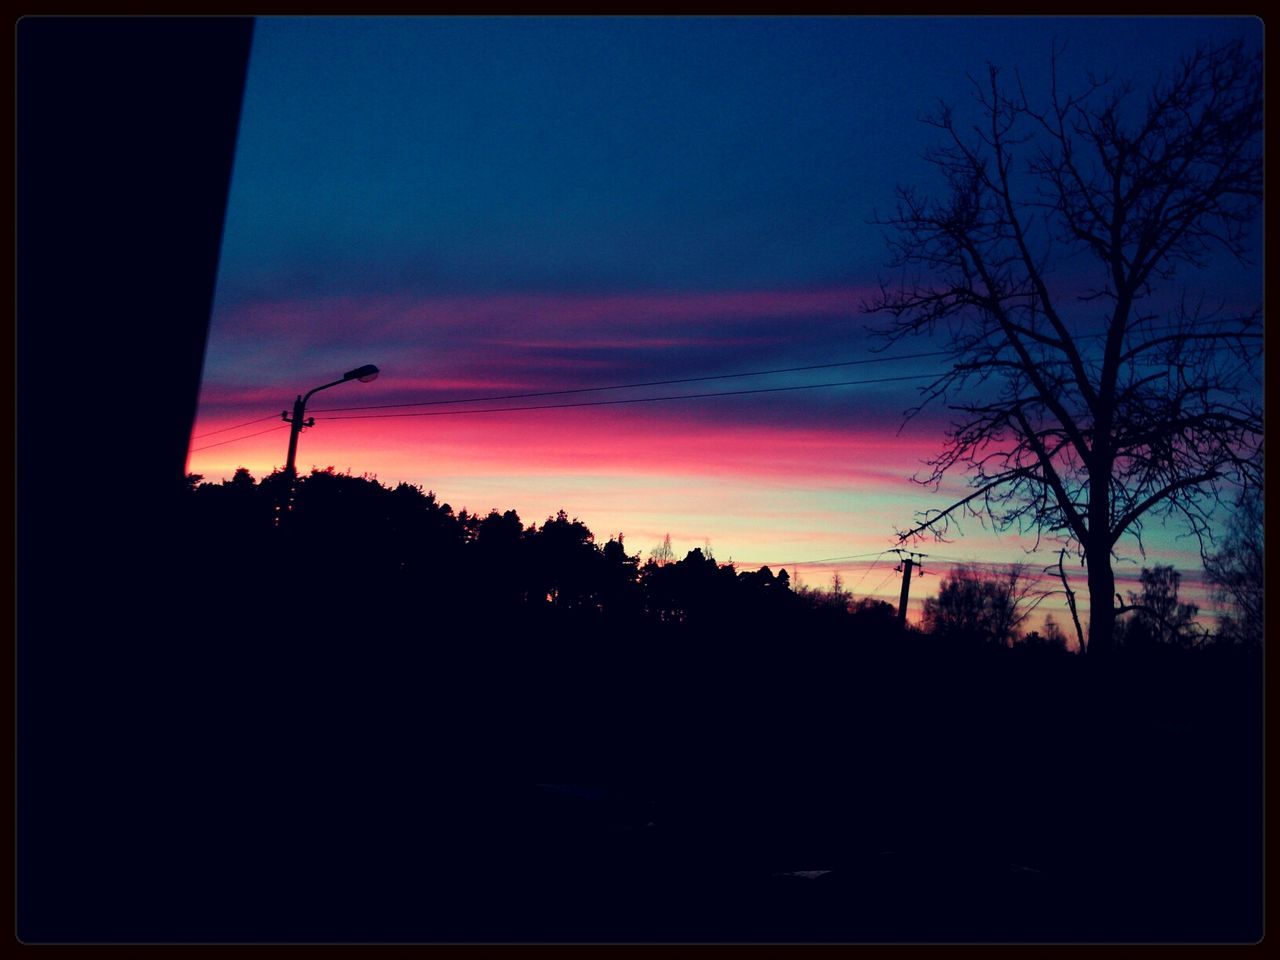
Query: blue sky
point(461, 154)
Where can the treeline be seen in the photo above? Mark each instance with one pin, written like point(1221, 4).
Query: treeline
point(343, 535)
point(352, 535)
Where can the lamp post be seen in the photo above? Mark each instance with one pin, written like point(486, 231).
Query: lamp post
point(363, 374)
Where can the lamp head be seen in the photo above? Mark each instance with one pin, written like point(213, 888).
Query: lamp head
point(363, 374)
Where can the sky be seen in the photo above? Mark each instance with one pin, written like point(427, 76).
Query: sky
point(487, 207)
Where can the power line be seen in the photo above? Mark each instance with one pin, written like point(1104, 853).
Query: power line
point(247, 423)
point(879, 557)
point(647, 383)
point(654, 383)
point(586, 403)
point(801, 563)
point(552, 393)
point(877, 587)
point(602, 403)
point(627, 386)
point(238, 439)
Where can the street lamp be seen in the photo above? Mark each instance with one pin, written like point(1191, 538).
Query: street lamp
point(363, 374)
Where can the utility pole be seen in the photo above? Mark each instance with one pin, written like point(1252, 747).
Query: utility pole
point(364, 374)
point(299, 421)
point(905, 566)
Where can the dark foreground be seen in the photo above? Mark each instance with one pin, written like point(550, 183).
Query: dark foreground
point(347, 778)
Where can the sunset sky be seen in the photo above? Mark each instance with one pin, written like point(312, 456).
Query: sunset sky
point(496, 206)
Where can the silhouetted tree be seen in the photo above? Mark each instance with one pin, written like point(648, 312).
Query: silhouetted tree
point(1074, 443)
point(872, 617)
point(1158, 615)
point(689, 589)
point(422, 539)
point(566, 566)
point(229, 517)
point(838, 593)
point(836, 600)
point(660, 597)
point(760, 579)
point(620, 590)
point(663, 554)
point(1053, 635)
point(498, 551)
point(1236, 571)
point(970, 606)
point(1049, 638)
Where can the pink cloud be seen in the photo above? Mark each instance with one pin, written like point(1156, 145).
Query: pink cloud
point(626, 441)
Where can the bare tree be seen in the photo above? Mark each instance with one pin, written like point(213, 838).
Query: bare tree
point(840, 597)
point(1159, 616)
point(1053, 635)
point(991, 608)
point(1092, 386)
point(1236, 572)
point(662, 554)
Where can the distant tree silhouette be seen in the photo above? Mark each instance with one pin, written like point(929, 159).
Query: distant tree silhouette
point(351, 537)
point(1158, 616)
point(687, 590)
point(566, 567)
point(232, 514)
point(838, 592)
point(661, 596)
point(836, 600)
point(662, 554)
point(1236, 571)
point(502, 557)
point(1053, 635)
point(1049, 638)
point(1077, 445)
point(874, 617)
point(761, 579)
point(620, 590)
point(973, 607)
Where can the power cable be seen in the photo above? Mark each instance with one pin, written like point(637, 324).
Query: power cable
point(649, 383)
point(237, 439)
point(630, 386)
point(587, 403)
point(879, 557)
point(602, 403)
point(247, 423)
point(801, 563)
point(558, 406)
point(876, 589)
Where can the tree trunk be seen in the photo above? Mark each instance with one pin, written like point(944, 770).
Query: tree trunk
point(1102, 591)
